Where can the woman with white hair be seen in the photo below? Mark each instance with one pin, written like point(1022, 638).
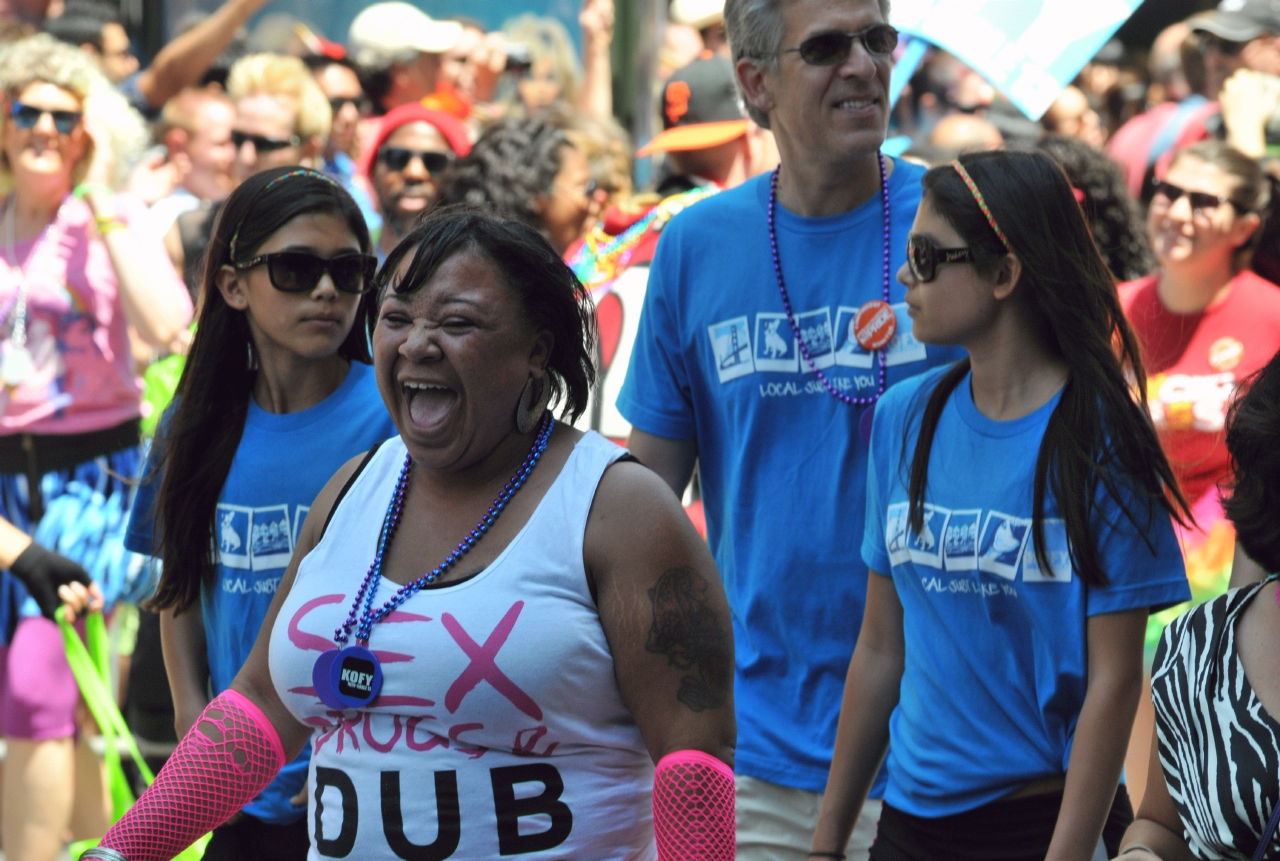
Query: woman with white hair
point(76, 278)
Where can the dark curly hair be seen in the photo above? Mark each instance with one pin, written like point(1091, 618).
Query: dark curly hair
point(512, 166)
point(1253, 438)
point(553, 298)
point(1113, 215)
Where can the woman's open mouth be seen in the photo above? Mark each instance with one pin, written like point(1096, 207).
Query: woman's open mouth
point(429, 404)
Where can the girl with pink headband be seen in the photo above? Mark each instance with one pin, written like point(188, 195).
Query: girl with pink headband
point(1018, 533)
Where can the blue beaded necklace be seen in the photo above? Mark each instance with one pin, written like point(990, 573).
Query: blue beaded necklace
point(351, 677)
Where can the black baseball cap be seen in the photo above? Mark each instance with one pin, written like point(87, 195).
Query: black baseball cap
point(700, 108)
point(1240, 20)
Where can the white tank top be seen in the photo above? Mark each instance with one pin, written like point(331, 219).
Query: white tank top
point(500, 729)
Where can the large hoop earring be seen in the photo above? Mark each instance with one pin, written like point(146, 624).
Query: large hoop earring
point(531, 407)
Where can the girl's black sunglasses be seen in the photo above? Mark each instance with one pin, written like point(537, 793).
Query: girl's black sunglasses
point(924, 257)
point(301, 271)
point(832, 47)
point(26, 116)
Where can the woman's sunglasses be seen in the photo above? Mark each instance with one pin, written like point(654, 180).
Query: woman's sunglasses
point(924, 257)
point(26, 116)
point(261, 143)
point(1200, 201)
point(398, 158)
point(832, 47)
point(301, 271)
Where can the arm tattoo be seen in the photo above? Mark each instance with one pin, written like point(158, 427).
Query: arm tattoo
point(685, 629)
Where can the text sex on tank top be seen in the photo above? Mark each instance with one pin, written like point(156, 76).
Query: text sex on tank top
point(499, 729)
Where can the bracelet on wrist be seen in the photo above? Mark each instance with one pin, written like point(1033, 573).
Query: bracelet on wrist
point(87, 188)
point(1135, 848)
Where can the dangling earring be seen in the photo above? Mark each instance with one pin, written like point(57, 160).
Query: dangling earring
point(530, 409)
point(251, 363)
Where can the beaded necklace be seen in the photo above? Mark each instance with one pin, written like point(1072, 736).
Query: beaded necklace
point(873, 318)
point(351, 677)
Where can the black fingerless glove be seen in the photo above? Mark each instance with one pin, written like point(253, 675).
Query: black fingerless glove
point(42, 571)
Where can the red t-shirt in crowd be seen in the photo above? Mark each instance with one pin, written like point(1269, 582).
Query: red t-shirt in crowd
point(1194, 363)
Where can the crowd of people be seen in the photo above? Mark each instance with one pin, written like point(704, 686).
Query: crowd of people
point(827, 477)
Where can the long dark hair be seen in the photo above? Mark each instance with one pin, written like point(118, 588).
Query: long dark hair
point(1253, 438)
point(1114, 216)
point(553, 298)
point(1099, 431)
point(197, 443)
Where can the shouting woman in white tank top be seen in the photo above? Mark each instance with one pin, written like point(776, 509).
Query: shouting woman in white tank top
point(493, 626)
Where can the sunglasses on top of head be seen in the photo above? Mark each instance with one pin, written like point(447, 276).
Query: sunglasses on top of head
point(26, 116)
point(832, 47)
point(398, 158)
point(301, 271)
point(1201, 201)
point(262, 143)
point(924, 257)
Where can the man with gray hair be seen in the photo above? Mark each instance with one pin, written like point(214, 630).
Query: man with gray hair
point(771, 326)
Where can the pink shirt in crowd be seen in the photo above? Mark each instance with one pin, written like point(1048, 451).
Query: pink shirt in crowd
point(85, 379)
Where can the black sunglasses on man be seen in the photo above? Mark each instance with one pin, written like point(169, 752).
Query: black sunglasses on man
point(262, 143)
point(832, 47)
point(397, 158)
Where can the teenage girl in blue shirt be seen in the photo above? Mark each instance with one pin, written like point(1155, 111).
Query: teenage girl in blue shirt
point(1018, 533)
point(277, 393)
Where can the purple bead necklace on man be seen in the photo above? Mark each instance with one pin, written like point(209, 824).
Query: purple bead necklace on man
point(791, 317)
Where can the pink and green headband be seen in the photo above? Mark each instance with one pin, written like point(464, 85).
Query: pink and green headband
point(982, 204)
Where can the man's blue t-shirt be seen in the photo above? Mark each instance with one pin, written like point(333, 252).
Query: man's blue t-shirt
point(281, 465)
point(996, 654)
point(781, 461)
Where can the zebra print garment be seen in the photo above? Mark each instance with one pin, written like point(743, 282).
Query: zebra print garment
point(1219, 748)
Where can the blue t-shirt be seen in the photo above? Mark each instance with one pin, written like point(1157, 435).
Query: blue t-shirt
point(996, 661)
point(781, 461)
point(281, 465)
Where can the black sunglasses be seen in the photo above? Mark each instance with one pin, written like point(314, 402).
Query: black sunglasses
point(1200, 200)
point(301, 271)
point(362, 103)
point(924, 257)
point(832, 47)
point(261, 143)
point(398, 158)
point(26, 116)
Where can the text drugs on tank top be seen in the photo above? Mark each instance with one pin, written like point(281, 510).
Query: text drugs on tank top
point(500, 729)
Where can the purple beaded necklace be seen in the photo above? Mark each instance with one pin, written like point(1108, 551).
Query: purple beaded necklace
point(351, 677)
point(786, 299)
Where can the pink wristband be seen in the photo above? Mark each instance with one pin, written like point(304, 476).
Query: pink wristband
point(693, 808)
point(227, 758)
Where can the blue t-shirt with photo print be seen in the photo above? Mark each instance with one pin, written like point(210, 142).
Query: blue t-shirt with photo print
point(282, 463)
point(782, 463)
point(996, 654)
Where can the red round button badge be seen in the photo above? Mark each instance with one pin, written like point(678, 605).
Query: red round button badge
point(875, 324)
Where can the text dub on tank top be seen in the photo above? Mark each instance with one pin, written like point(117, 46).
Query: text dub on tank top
point(499, 730)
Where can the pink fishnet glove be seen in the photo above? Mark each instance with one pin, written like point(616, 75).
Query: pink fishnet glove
point(693, 808)
point(227, 758)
